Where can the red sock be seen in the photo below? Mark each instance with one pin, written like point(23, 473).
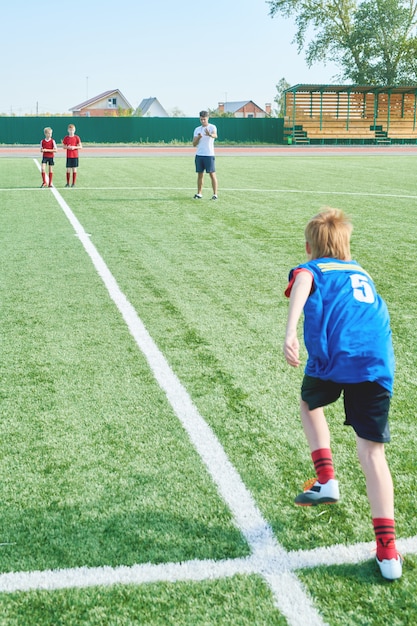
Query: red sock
point(50, 177)
point(323, 464)
point(43, 178)
point(68, 178)
point(74, 178)
point(385, 538)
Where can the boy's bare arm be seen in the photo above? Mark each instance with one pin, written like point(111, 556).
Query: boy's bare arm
point(299, 293)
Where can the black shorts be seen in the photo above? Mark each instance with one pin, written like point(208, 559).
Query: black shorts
point(48, 160)
point(366, 405)
point(71, 162)
point(207, 163)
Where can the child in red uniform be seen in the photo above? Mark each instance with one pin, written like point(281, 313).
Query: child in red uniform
point(72, 143)
point(48, 148)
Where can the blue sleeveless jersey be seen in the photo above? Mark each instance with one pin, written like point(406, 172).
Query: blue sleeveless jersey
point(346, 325)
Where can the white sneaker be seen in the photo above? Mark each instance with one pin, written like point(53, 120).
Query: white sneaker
point(391, 569)
point(316, 493)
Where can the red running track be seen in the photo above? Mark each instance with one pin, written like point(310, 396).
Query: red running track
point(141, 151)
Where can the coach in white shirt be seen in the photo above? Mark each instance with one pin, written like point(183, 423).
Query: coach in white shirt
point(203, 140)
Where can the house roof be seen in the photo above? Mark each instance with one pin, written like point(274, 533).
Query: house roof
point(146, 104)
point(101, 96)
point(232, 107)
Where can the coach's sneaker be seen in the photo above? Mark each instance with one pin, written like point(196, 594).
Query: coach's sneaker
point(214, 196)
point(197, 196)
point(391, 569)
point(316, 493)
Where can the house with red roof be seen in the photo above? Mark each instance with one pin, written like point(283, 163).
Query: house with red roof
point(244, 108)
point(111, 103)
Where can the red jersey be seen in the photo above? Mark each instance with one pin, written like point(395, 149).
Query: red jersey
point(71, 141)
point(48, 146)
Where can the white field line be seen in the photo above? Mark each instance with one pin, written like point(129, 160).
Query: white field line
point(240, 190)
point(268, 558)
point(290, 596)
point(192, 571)
point(288, 592)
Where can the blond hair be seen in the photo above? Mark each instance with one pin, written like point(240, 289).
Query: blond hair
point(48, 128)
point(328, 234)
point(71, 126)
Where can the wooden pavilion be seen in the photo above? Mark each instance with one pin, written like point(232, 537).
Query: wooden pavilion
point(365, 114)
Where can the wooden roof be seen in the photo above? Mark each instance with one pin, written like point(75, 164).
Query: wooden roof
point(353, 88)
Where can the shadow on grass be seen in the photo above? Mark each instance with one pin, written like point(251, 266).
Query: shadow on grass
point(68, 537)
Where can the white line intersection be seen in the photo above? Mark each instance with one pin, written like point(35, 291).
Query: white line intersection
point(268, 558)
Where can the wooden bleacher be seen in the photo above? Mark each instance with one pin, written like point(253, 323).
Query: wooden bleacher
point(322, 114)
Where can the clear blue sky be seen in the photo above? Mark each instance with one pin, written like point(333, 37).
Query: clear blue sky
point(58, 54)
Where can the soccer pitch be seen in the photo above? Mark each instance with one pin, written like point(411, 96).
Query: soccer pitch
point(151, 446)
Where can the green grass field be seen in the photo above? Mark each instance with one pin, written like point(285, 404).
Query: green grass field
point(109, 514)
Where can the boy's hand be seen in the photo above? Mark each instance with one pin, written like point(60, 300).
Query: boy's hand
point(291, 350)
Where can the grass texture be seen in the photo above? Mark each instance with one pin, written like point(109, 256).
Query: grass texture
point(96, 468)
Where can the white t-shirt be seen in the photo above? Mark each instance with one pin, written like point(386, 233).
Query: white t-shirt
point(205, 146)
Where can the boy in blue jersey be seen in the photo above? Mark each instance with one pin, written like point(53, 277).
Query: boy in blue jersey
point(348, 339)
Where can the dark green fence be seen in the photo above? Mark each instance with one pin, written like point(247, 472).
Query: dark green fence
point(29, 130)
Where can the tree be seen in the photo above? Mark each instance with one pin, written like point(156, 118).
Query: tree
point(217, 113)
point(124, 112)
point(176, 112)
point(384, 32)
point(373, 41)
point(279, 99)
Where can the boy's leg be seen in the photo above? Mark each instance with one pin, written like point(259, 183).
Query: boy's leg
point(68, 176)
point(379, 485)
point(324, 489)
point(214, 182)
point(43, 174)
point(315, 427)
point(74, 175)
point(199, 168)
point(200, 178)
point(51, 174)
point(380, 490)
